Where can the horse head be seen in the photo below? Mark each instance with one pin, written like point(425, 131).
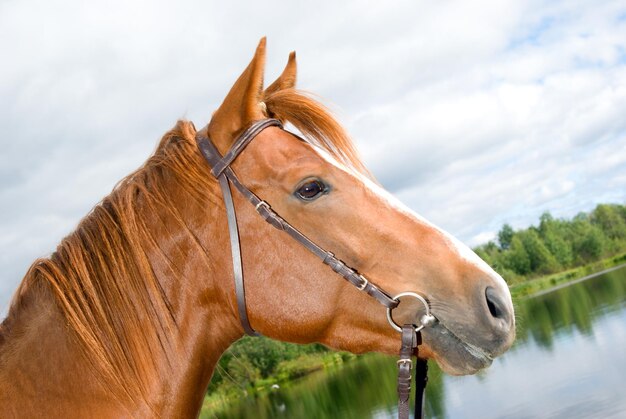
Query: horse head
point(320, 186)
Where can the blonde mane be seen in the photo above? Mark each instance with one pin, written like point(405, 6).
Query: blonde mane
point(103, 274)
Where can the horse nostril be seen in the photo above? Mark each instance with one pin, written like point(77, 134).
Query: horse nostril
point(494, 303)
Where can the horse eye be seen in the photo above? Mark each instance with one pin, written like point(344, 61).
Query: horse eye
point(311, 190)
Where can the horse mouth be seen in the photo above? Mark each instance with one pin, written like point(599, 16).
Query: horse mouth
point(454, 355)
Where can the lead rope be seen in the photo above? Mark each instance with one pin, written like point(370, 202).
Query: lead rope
point(421, 379)
point(410, 341)
point(405, 364)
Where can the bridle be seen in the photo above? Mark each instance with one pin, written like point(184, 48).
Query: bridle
point(411, 336)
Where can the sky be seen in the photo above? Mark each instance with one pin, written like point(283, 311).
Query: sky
point(473, 113)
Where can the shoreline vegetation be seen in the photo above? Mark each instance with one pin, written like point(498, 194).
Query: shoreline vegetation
point(545, 284)
point(533, 261)
point(288, 372)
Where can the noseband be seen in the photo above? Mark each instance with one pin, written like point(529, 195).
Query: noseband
point(411, 337)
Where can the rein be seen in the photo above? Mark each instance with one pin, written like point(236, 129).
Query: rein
point(411, 336)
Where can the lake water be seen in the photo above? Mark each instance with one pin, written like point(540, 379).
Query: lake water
point(569, 361)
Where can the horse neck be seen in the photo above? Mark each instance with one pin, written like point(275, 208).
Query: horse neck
point(202, 300)
point(37, 339)
point(41, 371)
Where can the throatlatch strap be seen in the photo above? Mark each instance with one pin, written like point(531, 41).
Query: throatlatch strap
point(214, 158)
point(235, 250)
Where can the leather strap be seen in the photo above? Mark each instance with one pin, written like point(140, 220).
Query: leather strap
point(410, 341)
point(224, 173)
point(421, 379)
point(405, 364)
point(212, 155)
point(241, 142)
point(235, 247)
point(348, 273)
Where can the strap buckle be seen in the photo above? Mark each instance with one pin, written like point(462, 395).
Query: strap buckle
point(363, 284)
point(262, 204)
point(405, 361)
point(268, 214)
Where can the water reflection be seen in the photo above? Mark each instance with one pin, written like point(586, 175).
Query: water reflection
point(571, 308)
point(568, 362)
point(364, 388)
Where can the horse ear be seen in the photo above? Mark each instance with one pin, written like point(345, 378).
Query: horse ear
point(242, 104)
point(287, 80)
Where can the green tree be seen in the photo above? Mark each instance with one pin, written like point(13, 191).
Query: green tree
point(242, 370)
point(488, 252)
point(553, 233)
point(588, 240)
point(546, 219)
point(592, 245)
point(560, 248)
point(539, 257)
point(516, 258)
point(505, 235)
point(610, 221)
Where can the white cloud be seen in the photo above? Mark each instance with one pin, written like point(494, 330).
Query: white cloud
point(474, 113)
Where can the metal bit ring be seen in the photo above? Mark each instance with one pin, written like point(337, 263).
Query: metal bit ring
point(426, 320)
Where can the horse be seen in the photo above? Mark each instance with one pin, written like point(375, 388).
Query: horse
point(130, 314)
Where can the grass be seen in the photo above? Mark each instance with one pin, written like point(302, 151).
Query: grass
point(533, 286)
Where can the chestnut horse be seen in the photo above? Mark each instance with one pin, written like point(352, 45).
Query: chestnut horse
point(130, 314)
